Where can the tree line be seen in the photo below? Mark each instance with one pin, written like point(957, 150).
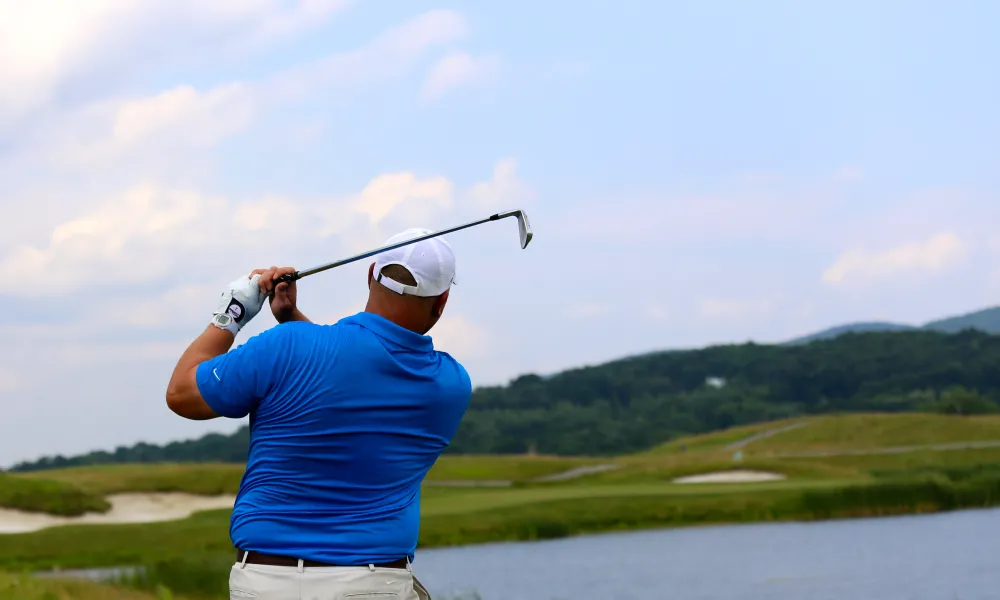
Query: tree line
point(637, 402)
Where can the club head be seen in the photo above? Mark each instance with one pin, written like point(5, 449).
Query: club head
point(523, 225)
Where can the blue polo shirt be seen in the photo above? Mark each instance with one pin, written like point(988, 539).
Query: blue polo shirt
point(345, 421)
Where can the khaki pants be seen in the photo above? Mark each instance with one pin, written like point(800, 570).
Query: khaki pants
point(267, 582)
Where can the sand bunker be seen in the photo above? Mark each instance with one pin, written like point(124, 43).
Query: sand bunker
point(730, 477)
point(125, 508)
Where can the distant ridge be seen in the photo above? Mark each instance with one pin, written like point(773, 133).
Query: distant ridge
point(839, 330)
point(986, 320)
point(635, 403)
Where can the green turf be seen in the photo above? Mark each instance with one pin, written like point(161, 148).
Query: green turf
point(48, 496)
point(24, 587)
point(192, 478)
point(516, 468)
point(215, 478)
point(861, 431)
point(717, 440)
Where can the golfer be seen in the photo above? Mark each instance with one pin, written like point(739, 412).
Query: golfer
point(345, 421)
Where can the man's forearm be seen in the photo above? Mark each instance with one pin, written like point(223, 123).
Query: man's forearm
point(211, 343)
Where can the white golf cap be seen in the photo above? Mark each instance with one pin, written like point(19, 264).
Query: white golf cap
point(430, 261)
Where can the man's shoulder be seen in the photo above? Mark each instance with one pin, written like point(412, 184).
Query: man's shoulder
point(286, 334)
point(457, 376)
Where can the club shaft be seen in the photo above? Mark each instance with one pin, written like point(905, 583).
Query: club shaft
point(300, 274)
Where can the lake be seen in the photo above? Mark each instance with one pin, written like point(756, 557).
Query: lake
point(945, 556)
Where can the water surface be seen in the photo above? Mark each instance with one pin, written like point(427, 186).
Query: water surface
point(945, 556)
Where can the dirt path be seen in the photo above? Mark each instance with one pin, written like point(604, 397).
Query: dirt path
point(764, 434)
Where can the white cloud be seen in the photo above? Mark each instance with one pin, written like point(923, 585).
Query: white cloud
point(394, 50)
point(460, 337)
point(132, 238)
point(931, 255)
point(387, 192)
point(203, 118)
point(504, 190)
point(47, 46)
point(163, 126)
point(455, 70)
point(150, 234)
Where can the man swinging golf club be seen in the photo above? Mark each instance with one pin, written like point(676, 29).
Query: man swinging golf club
point(345, 421)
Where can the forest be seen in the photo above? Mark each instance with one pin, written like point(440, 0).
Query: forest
point(637, 402)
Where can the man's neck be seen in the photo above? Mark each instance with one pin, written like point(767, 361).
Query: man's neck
point(399, 317)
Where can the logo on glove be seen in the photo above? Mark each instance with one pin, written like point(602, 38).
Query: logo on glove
point(235, 310)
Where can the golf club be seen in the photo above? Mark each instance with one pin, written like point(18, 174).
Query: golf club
point(523, 227)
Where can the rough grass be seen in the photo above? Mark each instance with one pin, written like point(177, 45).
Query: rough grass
point(220, 478)
point(871, 431)
point(845, 432)
point(716, 440)
point(23, 587)
point(208, 479)
point(53, 497)
point(515, 468)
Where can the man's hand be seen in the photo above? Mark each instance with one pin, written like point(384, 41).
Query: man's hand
point(240, 303)
point(283, 295)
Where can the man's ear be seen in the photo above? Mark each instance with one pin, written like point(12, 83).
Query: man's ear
point(371, 274)
point(439, 305)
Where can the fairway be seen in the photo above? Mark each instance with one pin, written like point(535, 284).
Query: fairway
point(841, 433)
point(463, 502)
point(869, 432)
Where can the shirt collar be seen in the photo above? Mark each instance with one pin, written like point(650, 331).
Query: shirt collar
point(385, 328)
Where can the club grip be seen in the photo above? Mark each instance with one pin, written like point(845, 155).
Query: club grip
point(287, 278)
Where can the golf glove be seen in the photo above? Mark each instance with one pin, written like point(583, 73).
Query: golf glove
point(240, 303)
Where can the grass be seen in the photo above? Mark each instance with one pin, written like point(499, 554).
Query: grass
point(515, 468)
point(23, 587)
point(870, 431)
point(48, 496)
point(220, 478)
point(716, 440)
point(194, 478)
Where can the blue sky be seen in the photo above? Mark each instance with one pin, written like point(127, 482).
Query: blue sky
point(696, 173)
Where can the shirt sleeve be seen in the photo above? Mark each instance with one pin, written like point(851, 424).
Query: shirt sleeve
point(233, 383)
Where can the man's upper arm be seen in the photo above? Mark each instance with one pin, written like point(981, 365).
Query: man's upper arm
point(233, 383)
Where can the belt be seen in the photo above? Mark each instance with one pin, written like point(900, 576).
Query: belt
point(259, 558)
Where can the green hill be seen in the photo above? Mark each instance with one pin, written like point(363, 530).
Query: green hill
point(986, 320)
point(874, 326)
point(635, 403)
point(843, 433)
